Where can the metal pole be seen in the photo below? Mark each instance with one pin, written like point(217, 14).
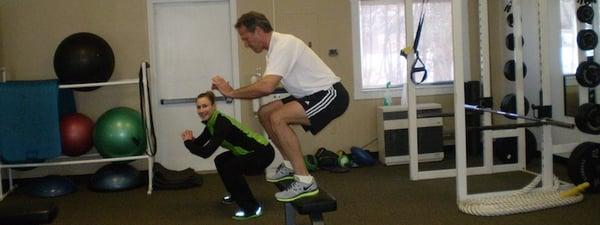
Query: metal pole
point(548, 121)
point(411, 94)
point(460, 138)
point(538, 122)
point(507, 126)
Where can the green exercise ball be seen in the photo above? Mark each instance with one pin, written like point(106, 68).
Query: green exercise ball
point(119, 132)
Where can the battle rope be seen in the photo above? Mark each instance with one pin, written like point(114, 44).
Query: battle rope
point(523, 200)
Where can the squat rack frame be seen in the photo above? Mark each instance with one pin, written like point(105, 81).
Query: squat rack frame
point(461, 59)
point(461, 65)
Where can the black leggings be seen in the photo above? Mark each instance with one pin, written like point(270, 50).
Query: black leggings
point(232, 169)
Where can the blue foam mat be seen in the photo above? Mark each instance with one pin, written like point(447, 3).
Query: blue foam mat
point(29, 121)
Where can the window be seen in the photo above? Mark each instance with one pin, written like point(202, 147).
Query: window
point(568, 35)
point(379, 36)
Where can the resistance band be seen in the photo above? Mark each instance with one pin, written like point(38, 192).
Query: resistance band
point(418, 65)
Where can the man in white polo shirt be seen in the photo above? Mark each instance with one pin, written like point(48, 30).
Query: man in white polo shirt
point(317, 97)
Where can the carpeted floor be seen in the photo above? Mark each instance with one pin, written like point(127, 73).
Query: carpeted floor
point(366, 196)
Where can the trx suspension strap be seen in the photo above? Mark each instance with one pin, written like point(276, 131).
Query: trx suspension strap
point(418, 66)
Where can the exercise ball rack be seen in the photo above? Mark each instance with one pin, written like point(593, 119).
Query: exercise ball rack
point(91, 157)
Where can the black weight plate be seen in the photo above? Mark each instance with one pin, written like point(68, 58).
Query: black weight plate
point(585, 14)
point(587, 39)
point(593, 119)
point(588, 74)
point(509, 104)
point(584, 165)
point(510, 20)
point(510, 41)
point(581, 115)
point(509, 70)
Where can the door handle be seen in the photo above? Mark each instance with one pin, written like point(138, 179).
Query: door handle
point(171, 101)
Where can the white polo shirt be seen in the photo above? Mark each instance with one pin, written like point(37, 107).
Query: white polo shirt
point(303, 72)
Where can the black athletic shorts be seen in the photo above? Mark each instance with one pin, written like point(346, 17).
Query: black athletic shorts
point(323, 106)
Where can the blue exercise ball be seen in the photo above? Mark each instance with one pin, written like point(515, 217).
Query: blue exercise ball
point(115, 177)
point(50, 186)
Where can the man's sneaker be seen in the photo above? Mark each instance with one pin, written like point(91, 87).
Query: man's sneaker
point(241, 215)
point(297, 190)
point(227, 199)
point(281, 173)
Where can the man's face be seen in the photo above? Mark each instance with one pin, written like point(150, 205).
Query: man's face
point(251, 39)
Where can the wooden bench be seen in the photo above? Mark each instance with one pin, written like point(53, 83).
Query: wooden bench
point(314, 206)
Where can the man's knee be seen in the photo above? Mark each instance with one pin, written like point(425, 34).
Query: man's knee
point(265, 111)
point(277, 118)
point(263, 117)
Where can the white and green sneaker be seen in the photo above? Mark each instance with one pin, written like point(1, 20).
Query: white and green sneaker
point(280, 174)
point(297, 190)
point(227, 199)
point(241, 215)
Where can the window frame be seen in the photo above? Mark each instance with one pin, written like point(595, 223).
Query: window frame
point(438, 88)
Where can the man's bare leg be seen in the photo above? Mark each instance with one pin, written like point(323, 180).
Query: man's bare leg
point(280, 120)
point(304, 184)
point(264, 114)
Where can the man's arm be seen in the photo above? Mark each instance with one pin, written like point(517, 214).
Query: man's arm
point(264, 86)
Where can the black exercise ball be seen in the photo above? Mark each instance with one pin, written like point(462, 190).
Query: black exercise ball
point(83, 58)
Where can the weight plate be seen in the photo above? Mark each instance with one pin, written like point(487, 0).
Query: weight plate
point(509, 70)
point(588, 74)
point(587, 118)
point(510, 20)
point(510, 41)
point(585, 14)
point(587, 39)
point(584, 165)
point(509, 104)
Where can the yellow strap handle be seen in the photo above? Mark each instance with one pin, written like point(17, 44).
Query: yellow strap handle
point(575, 191)
point(406, 51)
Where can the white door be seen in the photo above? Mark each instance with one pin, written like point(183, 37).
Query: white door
point(189, 42)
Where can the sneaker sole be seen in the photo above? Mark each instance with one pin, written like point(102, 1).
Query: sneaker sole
point(245, 218)
point(290, 177)
point(305, 194)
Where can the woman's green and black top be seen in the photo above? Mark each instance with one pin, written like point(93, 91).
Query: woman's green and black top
point(222, 130)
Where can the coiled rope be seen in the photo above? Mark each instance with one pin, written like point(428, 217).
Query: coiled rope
point(524, 200)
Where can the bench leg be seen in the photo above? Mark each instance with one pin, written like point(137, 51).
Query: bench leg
point(290, 214)
point(316, 219)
